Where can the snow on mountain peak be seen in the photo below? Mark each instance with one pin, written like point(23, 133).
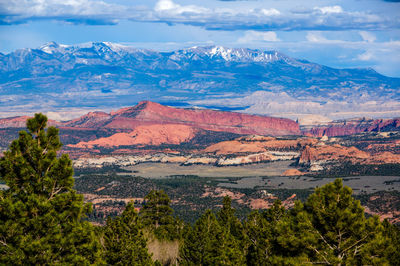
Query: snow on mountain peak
point(225, 53)
point(52, 47)
point(110, 50)
point(243, 54)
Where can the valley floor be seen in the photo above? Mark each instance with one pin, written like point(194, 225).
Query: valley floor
point(195, 188)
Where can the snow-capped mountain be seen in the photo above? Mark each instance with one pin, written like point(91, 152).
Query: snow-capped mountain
point(114, 75)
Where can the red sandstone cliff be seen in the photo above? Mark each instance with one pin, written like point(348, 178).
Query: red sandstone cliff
point(144, 135)
point(153, 113)
point(342, 128)
point(90, 120)
point(150, 113)
point(20, 122)
point(257, 144)
point(331, 153)
point(326, 153)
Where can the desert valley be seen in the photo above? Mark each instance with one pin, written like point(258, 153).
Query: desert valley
point(199, 156)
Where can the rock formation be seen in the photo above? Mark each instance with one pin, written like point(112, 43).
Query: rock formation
point(252, 158)
point(337, 153)
point(149, 113)
point(20, 122)
point(257, 144)
point(144, 135)
point(293, 172)
point(331, 153)
point(349, 127)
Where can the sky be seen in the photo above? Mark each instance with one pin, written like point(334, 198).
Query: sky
point(336, 33)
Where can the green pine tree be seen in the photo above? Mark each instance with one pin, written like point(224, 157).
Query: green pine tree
point(258, 239)
point(156, 215)
point(207, 243)
point(390, 249)
point(123, 240)
point(290, 235)
point(344, 235)
point(228, 220)
point(41, 216)
point(274, 236)
point(231, 224)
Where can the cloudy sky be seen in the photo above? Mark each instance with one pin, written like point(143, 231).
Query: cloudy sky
point(337, 33)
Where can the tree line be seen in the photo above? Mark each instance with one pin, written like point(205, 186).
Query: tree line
point(43, 222)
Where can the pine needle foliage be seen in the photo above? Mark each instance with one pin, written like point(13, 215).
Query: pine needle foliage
point(123, 240)
point(41, 215)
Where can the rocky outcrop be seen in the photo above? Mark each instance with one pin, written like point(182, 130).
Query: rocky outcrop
point(144, 135)
point(354, 126)
point(14, 122)
point(293, 172)
point(20, 122)
point(335, 152)
point(90, 120)
point(235, 146)
point(149, 112)
point(386, 157)
point(257, 144)
point(266, 203)
point(150, 123)
point(253, 158)
point(260, 204)
point(200, 160)
point(313, 156)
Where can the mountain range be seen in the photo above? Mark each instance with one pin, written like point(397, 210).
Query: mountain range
point(57, 78)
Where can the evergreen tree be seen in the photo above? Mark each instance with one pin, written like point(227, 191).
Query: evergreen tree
point(228, 220)
point(156, 215)
point(330, 228)
point(231, 224)
point(258, 239)
point(40, 214)
point(343, 234)
point(207, 243)
point(275, 238)
point(391, 249)
point(290, 232)
point(123, 240)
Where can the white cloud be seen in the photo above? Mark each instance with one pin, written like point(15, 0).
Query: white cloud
point(253, 36)
point(367, 56)
point(270, 12)
point(367, 36)
point(17, 11)
point(329, 9)
point(59, 7)
point(262, 19)
point(165, 5)
point(315, 37)
point(170, 7)
point(230, 17)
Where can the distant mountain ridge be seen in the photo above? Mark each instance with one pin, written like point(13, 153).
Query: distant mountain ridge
point(100, 75)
